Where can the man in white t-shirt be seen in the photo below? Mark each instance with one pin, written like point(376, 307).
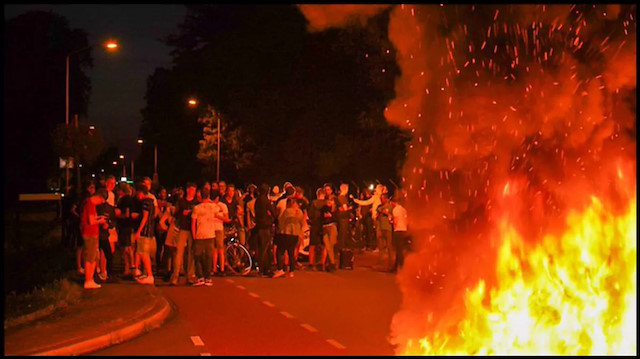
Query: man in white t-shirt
point(221, 217)
point(401, 239)
point(206, 225)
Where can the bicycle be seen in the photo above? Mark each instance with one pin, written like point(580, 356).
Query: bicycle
point(237, 258)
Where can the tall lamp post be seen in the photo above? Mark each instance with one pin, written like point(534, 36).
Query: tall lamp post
point(110, 45)
point(124, 166)
point(155, 160)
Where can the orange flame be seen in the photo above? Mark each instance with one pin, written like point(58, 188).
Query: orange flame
point(574, 294)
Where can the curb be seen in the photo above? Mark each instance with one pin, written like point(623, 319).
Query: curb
point(161, 311)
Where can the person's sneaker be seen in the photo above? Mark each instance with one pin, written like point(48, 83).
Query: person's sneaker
point(137, 272)
point(290, 275)
point(298, 265)
point(145, 280)
point(81, 271)
point(279, 273)
point(91, 285)
point(103, 277)
point(208, 282)
point(199, 282)
point(376, 250)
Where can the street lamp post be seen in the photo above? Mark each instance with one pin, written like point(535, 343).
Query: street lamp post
point(110, 45)
point(218, 153)
point(124, 166)
point(155, 160)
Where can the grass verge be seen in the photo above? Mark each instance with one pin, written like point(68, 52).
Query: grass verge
point(58, 294)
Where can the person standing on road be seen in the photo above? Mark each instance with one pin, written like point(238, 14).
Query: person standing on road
point(280, 207)
point(106, 253)
point(76, 210)
point(144, 233)
point(203, 231)
point(365, 220)
point(315, 231)
point(401, 239)
point(124, 226)
point(111, 200)
point(290, 223)
point(89, 227)
point(303, 203)
point(221, 216)
point(329, 233)
point(161, 234)
point(384, 231)
point(250, 219)
point(265, 214)
point(185, 239)
point(167, 224)
point(231, 201)
point(343, 216)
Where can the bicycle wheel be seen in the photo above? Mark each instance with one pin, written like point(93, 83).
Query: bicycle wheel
point(238, 259)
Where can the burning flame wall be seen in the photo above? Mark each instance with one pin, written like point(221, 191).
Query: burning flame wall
point(520, 180)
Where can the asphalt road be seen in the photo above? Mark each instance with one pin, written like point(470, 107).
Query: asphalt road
point(347, 312)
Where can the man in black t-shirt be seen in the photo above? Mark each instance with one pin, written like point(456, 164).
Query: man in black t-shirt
point(106, 254)
point(124, 227)
point(144, 232)
point(184, 208)
point(316, 220)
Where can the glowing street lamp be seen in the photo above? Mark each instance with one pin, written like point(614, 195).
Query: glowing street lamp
point(192, 102)
point(109, 45)
point(140, 141)
point(92, 127)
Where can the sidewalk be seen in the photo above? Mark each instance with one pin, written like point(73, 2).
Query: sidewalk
point(106, 316)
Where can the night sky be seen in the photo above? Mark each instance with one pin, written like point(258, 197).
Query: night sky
point(118, 80)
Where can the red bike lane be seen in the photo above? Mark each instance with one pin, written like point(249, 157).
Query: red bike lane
point(231, 321)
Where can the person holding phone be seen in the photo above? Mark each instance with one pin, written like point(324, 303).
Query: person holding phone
point(90, 222)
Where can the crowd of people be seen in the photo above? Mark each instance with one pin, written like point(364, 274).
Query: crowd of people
point(184, 231)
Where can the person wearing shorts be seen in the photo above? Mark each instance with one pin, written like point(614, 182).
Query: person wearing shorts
point(315, 233)
point(221, 216)
point(184, 242)
point(167, 224)
point(146, 242)
point(89, 227)
point(124, 226)
point(203, 231)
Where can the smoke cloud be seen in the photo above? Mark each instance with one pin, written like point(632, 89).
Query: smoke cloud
point(523, 111)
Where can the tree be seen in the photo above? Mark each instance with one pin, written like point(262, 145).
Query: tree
point(234, 144)
point(295, 100)
point(35, 49)
point(80, 141)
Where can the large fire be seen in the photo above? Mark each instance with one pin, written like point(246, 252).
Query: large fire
point(520, 178)
point(574, 294)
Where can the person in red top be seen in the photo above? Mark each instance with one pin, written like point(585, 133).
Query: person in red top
point(89, 227)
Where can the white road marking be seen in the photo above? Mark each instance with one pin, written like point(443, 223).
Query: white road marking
point(240, 287)
point(205, 354)
point(254, 295)
point(230, 280)
point(197, 341)
point(287, 315)
point(336, 344)
point(309, 328)
point(268, 304)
